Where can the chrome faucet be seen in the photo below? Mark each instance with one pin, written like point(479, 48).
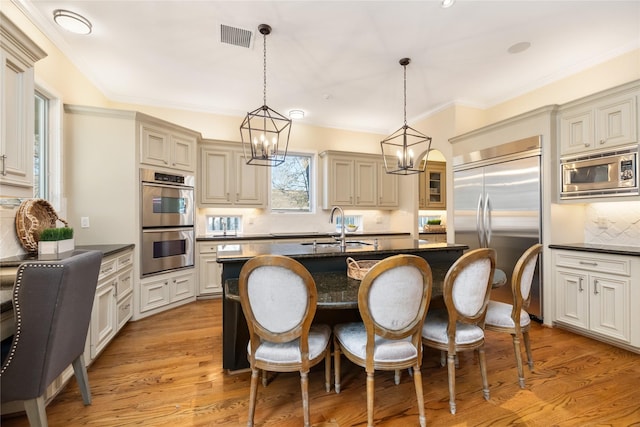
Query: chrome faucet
point(343, 240)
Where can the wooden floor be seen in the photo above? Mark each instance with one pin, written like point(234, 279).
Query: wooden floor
point(167, 371)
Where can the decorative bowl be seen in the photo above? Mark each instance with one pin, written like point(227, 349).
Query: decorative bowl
point(352, 227)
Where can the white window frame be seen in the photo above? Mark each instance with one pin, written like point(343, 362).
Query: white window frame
point(55, 178)
point(313, 178)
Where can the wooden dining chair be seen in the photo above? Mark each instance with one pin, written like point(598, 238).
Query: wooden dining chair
point(513, 318)
point(278, 298)
point(460, 327)
point(393, 299)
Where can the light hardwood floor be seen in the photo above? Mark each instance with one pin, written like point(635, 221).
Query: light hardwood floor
point(167, 371)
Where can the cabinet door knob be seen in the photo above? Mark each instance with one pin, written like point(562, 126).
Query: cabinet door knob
point(580, 285)
point(595, 287)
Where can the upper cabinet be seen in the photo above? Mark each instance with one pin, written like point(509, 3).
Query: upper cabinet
point(226, 180)
point(18, 56)
point(600, 122)
point(432, 186)
point(167, 147)
point(356, 180)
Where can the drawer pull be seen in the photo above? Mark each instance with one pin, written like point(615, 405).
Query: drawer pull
point(593, 263)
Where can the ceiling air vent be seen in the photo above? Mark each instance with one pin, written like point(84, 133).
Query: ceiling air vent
point(235, 36)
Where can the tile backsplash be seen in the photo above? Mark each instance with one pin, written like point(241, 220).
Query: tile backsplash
point(613, 223)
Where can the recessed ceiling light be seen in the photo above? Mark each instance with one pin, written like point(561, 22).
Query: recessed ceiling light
point(296, 114)
point(447, 3)
point(72, 21)
point(519, 47)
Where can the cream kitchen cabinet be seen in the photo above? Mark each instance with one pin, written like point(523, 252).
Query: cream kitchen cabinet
point(113, 304)
point(603, 121)
point(226, 180)
point(168, 147)
point(594, 295)
point(356, 180)
point(209, 271)
point(159, 293)
point(432, 186)
point(18, 56)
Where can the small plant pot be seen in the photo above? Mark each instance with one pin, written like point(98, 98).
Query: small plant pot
point(55, 247)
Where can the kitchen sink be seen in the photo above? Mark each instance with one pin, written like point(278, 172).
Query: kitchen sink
point(351, 244)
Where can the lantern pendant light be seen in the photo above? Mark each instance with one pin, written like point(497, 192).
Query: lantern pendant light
point(402, 149)
point(265, 132)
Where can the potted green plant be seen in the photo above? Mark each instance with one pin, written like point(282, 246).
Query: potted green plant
point(55, 240)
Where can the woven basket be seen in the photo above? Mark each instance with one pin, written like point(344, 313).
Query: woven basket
point(358, 269)
point(33, 216)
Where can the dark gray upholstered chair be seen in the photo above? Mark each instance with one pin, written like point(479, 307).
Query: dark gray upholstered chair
point(52, 304)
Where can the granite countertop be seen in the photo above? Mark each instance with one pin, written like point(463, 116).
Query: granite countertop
point(336, 290)
point(598, 248)
point(243, 252)
point(293, 235)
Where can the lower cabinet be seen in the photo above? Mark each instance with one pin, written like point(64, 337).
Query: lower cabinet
point(161, 292)
point(112, 307)
point(594, 293)
point(209, 271)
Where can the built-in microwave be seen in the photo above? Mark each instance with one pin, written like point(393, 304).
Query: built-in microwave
point(600, 175)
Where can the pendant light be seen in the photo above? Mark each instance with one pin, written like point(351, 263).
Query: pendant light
point(265, 132)
point(401, 149)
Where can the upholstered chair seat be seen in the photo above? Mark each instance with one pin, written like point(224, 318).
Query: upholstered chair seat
point(435, 329)
point(289, 352)
point(499, 314)
point(393, 299)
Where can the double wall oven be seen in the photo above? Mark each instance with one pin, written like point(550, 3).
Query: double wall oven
point(167, 209)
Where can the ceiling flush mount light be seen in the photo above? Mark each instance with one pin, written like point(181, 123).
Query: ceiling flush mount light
point(296, 114)
point(263, 128)
point(519, 47)
point(406, 145)
point(72, 21)
point(447, 3)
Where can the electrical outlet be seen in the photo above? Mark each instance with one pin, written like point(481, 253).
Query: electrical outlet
point(84, 222)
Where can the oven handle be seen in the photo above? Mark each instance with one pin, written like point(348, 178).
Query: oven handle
point(164, 230)
point(170, 186)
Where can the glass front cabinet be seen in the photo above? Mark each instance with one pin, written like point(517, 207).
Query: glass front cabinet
point(432, 187)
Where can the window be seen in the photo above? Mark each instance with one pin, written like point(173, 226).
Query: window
point(291, 186)
point(224, 224)
point(41, 147)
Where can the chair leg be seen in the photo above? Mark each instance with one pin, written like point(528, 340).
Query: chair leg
point(336, 364)
point(516, 349)
point(80, 371)
point(36, 413)
point(252, 395)
point(483, 372)
point(451, 367)
point(443, 358)
point(417, 380)
point(265, 380)
point(304, 385)
point(396, 376)
point(327, 370)
point(527, 346)
point(370, 398)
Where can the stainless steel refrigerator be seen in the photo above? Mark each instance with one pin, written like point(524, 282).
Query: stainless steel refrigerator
point(497, 204)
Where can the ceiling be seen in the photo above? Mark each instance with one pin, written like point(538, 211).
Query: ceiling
point(337, 60)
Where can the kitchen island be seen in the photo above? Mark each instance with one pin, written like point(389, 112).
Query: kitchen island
point(317, 258)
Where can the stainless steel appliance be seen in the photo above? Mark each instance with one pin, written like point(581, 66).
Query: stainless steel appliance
point(166, 249)
point(167, 199)
point(167, 218)
point(497, 204)
point(601, 175)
